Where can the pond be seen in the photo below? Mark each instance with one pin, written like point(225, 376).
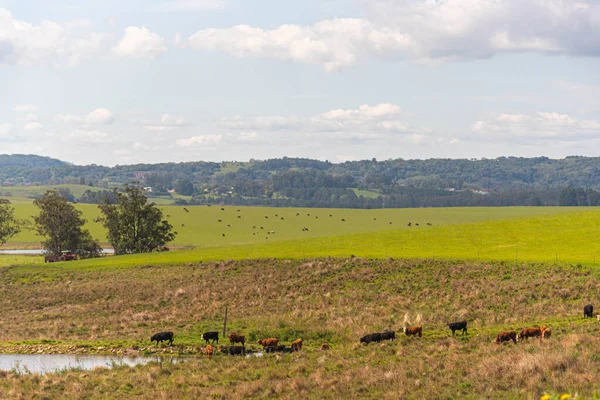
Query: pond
point(49, 363)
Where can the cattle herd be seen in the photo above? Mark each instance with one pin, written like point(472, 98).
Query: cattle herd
point(272, 345)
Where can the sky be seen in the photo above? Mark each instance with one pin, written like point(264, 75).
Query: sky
point(144, 81)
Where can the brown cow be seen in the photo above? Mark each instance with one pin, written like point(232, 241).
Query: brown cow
point(235, 338)
point(506, 337)
point(414, 331)
point(529, 332)
point(325, 346)
point(209, 350)
point(297, 345)
point(268, 342)
point(546, 333)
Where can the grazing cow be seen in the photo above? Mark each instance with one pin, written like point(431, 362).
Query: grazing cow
point(162, 336)
point(325, 346)
point(416, 224)
point(297, 214)
point(238, 210)
point(183, 225)
point(254, 227)
point(506, 337)
point(235, 338)
point(223, 234)
point(239, 217)
point(222, 209)
point(212, 336)
point(343, 220)
point(209, 350)
point(588, 311)
point(277, 215)
point(317, 217)
point(546, 333)
point(373, 337)
point(266, 217)
point(331, 215)
point(390, 222)
point(374, 219)
point(185, 209)
point(409, 224)
point(529, 332)
point(229, 225)
point(429, 224)
point(414, 331)
point(457, 326)
point(219, 220)
point(262, 227)
point(297, 345)
point(308, 215)
point(278, 349)
point(235, 350)
point(388, 335)
point(268, 342)
point(283, 219)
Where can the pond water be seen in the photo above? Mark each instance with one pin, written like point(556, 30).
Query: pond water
point(49, 363)
point(38, 252)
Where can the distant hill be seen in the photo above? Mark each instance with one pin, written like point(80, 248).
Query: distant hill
point(313, 183)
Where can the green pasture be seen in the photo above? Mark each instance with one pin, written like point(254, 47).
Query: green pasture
point(34, 191)
point(200, 226)
point(570, 237)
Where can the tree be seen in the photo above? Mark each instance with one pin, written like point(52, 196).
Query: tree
point(134, 225)
point(184, 187)
point(61, 224)
point(9, 225)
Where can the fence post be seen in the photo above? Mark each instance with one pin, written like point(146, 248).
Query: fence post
point(225, 323)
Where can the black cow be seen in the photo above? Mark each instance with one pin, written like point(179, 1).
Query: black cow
point(213, 336)
point(388, 335)
point(235, 350)
point(458, 326)
point(373, 337)
point(162, 336)
point(279, 349)
point(588, 311)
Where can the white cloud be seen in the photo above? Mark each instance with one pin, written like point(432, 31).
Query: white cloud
point(180, 5)
point(332, 43)
point(438, 30)
point(140, 43)
point(89, 136)
point(31, 117)
point(247, 136)
point(25, 108)
point(535, 127)
point(122, 153)
point(100, 116)
point(167, 123)
point(24, 43)
point(364, 123)
point(5, 131)
point(33, 126)
point(199, 140)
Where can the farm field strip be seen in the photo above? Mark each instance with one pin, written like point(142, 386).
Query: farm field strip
point(201, 227)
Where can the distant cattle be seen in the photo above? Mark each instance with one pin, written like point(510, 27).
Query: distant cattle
point(222, 209)
point(297, 214)
point(388, 335)
point(588, 311)
point(429, 223)
point(219, 220)
point(268, 342)
point(325, 346)
point(526, 333)
point(209, 350)
point(373, 337)
point(239, 217)
point(308, 215)
point(162, 336)
point(297, 345)
point(278, 349)
point(331, 215)
point(234, 350)
point(185, 209)
point(212, 336)
point(282, 218)
point(229, 225)
point(416, 224)
point(506, 337)
point(374, 219)
point(343, 220)
point(277, 215)
point(414, 331)
point(409, 224)
point(223, 234)
point(239, 210)
point(266, 216)
point(236, 338)
point(183, 225)
point(458, 326)
point(262, 227)
point(390, 222)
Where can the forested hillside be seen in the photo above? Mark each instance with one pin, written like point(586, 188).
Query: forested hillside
point(358, 184)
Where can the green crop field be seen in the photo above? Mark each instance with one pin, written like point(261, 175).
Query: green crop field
point(200, 227)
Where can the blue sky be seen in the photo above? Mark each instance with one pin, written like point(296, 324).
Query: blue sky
point(117, 82)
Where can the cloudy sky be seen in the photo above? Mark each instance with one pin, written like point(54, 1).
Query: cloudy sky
point(126, 81)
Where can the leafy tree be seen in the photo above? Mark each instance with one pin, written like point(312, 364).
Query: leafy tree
point(61, 224)
point(134, 225)
point(9, 225)
point(184, 187)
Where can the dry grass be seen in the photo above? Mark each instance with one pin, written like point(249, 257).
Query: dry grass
point(325, 300)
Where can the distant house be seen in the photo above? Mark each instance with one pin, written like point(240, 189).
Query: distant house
point(148, 189)
point(450, 189)
point(480, 192)
point(171, 191)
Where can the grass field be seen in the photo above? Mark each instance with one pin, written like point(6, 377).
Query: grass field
point(201, 227)
point(61, 308)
